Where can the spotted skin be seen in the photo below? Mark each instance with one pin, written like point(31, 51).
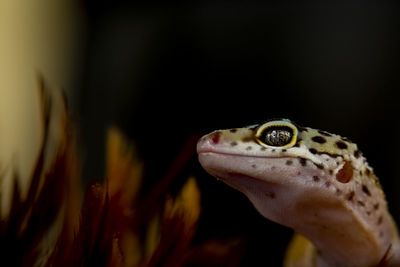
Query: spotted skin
point(320, 185)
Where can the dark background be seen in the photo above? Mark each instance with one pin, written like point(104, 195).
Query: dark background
point(165, 71)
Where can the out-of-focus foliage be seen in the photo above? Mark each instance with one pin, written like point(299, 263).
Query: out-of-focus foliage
point(114, 225)
point(29, 233)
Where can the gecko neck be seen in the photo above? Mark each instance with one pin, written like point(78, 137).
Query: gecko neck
point(362, 241)
point(369, 253)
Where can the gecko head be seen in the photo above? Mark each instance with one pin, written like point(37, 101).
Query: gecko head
point(313, 181)
point(281, 161)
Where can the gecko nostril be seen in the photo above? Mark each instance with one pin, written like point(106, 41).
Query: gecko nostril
point(215, 137)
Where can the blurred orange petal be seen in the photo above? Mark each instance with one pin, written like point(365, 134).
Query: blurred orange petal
point(187, 203)
point(152, 236)
point(178, 226)
point(123, 169)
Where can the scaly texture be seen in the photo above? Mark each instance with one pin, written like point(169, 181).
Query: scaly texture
point(313, 181)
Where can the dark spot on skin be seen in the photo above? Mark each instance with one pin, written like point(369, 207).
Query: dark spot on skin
point(341, 145)
point(330, 172)
point(247, 139)
point(298, 142)
point(332, 155)
point(254, 166)
point(289, 162)
point(376, 206)
point(361, 203)
point(346, 139)
point(345, 174)
point(273, 150)
point(234, 143)
point(368, 212)
point(357, 154)
point(366, 190)
point(233, 130)
point(319, 139)
point(350, 196)
point(303, 161)
point(327, 183)
point(313, 150)
point(380, 219)
point(315, 178)
point(263, 148)
point(270, 194)
point(302, 129)
point(215, 137)
point(319, 166)
point(284, 150)
point(273, 168)
point(324, 133)
point(338, 192)
point(360, 172)
point(248, 148)
point(298, 173)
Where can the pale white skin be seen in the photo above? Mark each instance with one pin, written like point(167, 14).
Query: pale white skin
point(301, 186)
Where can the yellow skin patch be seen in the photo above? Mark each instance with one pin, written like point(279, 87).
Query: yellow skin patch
point(315, 182)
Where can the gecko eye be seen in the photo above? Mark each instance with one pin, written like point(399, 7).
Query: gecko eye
point(277, 134)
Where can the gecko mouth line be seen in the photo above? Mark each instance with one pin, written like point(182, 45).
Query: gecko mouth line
point(243, 156)
point(218, 153)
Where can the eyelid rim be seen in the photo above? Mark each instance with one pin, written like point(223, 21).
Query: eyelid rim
point(277, 123)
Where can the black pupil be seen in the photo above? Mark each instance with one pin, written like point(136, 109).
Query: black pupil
point(277, 135)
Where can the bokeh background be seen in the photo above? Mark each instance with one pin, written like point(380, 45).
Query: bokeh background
point(165, 71)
